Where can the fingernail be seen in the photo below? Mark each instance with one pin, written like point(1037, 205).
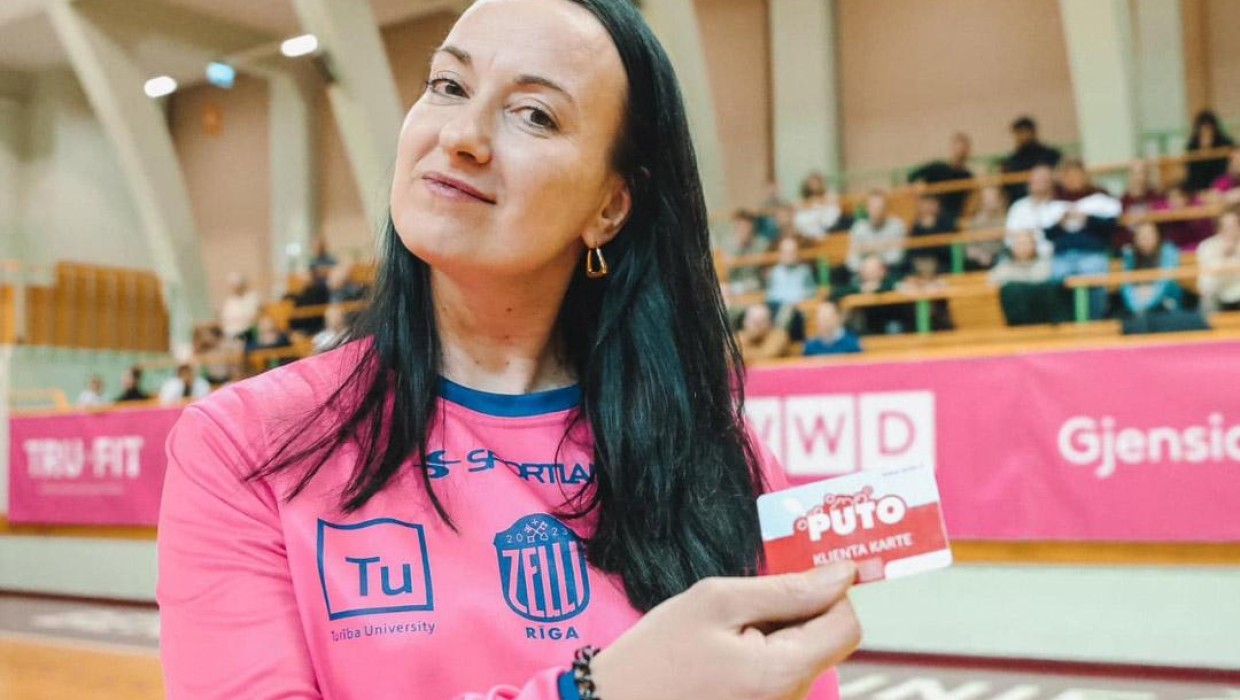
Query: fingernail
point(836, 571)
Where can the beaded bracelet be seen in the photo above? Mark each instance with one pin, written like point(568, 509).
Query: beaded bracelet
point(581, 672)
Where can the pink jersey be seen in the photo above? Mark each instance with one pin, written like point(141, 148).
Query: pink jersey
point(266, 598)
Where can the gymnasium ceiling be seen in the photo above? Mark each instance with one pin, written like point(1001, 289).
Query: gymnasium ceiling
point(162, 30)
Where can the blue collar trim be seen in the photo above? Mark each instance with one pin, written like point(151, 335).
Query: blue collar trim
point(511, 405)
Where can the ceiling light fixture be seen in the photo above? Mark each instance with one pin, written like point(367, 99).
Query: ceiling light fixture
point(161, 86)
point(300, 45)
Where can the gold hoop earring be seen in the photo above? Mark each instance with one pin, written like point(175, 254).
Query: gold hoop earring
point(595, 272)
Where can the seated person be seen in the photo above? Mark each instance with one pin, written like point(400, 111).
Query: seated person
point(335, 329)
point(1040, 209)
point(1082, 243)
point(831, 338)
point(182, 386)
point(819, 211)
point(991, 215)
point(790, 281)
point(1226, 188)
point(931, 222)
point(267, 336)
point(315, 293)
point(341, 287)
point(878, 233)
point(1185, 235)
point(214, 353)
point(745, 241)
point(1022, 262)
point(925, 279)
point(873, 278)
point(1075, 182)
point(92, 396)
point(1026, 292)
point(1148, 251)
point(1220, 287)
point(759, 338)
point(955, 168)
point(1141, 193)
point(131, 386)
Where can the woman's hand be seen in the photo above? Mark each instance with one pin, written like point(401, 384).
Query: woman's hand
point(761, 638)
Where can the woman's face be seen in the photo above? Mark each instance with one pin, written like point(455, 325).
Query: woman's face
point(504, 163)
point(1146, 239)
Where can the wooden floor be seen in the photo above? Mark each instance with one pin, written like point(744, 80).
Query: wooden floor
point(55, 670)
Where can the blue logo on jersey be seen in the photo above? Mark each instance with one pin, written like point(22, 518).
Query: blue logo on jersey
point(374, 567)
point(542, 566)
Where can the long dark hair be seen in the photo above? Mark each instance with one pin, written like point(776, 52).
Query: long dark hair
point(1207, 117)
point(661, 377)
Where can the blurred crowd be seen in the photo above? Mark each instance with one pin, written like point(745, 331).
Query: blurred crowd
point(1027, 235)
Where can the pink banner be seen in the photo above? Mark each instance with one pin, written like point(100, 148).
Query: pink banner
point(88, 468)
point(1124, 444)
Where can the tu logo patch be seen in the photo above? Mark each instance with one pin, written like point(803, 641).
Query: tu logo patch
point(542, 567)
point(374, 567)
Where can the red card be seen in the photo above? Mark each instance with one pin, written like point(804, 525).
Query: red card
point(888, 521)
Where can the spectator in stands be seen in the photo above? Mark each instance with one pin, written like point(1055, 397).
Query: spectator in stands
point(1148, 251)
point(131, 386)
point(759, 337)
point(92, 396)
point(819, 212)
point(878, 233)
point(268, 335)
point(831, 336)
point(314, 293)
point(1226, 187)
point(240, 309)
point(1218, 260)
point(1082, 244)
point(991, 216)
point(1028, 154)
point(1026, 292)
point(1185, 235)
point(322, 258)
point(874, 278)
point(767, 225)
point(954, 168)
point(930, 221)
point(1039, 210)
point(1207, 135)
point(1075, 182)
point(1141, 193)
point(213, 353)
point(1022, 263)
point(790, 281)
point(335, 329)
point(925, 279)
point(183, 385)
point(745, 241)
point(341, 287)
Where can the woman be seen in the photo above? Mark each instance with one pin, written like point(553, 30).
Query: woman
point(1207, 135)
point(1026, 292)
point(819, 211)
point(362, 524)
point(991, 215)
point(1148, 251)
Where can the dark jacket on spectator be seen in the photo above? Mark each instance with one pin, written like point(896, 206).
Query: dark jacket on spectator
point(133, 394)
point(1203, 173)
point(942, 171)
point(1093, 237)
point(1024, 159)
